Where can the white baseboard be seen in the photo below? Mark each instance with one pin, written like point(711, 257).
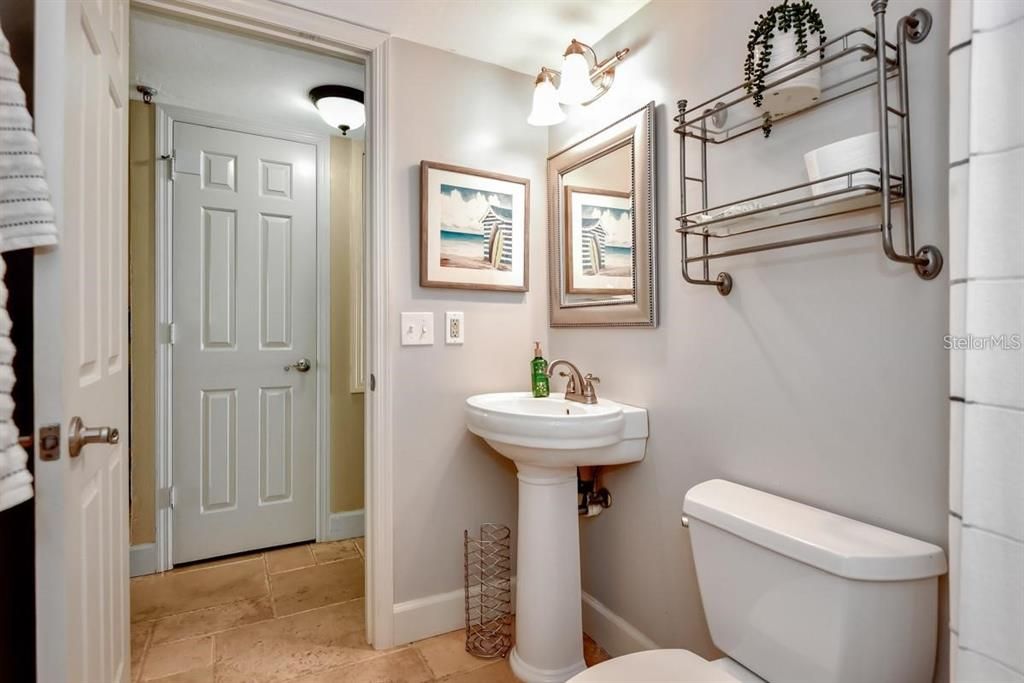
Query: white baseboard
point(433, 615)
point(142, 559)
point(444, 612)
point(613, 633)
point(344, 525)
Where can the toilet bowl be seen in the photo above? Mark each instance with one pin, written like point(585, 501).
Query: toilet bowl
point(795, 593)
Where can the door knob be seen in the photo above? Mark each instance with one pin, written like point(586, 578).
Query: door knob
point(79, 435)
point(302, 365)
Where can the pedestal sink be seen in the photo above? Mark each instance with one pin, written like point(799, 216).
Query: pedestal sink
point(548, 438)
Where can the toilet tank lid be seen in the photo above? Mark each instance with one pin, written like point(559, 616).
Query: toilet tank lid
point(831, 542)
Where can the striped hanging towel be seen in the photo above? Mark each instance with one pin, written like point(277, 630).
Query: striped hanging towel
point(26, 220)
point(26, 217)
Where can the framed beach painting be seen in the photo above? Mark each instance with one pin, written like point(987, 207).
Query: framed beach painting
point(599, 241)
point(474, 229)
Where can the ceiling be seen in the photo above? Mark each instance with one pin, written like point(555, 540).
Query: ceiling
point(233, 75)
point(521, 35)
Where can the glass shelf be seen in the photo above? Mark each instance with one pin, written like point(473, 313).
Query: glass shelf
point(852, 191)
point(848, 66)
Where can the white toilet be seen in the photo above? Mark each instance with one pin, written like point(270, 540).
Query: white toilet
point(794, 594)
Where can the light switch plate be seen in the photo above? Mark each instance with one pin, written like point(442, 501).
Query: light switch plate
point(417, 329)
point(454, 327)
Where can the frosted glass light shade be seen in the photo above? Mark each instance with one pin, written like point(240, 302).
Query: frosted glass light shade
point(340, 106)
point(546, 111)
point(575, 86)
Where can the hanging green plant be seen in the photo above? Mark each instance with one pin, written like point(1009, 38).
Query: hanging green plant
point(802, 20)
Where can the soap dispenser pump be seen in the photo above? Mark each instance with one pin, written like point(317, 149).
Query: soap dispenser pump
point(540, 373)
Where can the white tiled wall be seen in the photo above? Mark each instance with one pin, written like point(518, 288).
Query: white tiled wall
point(994, 308)
point(997, 90)
point(990, 14)
point(956, 460)
point(959, 103)
point(959, 214)
point(993, 472)
point(974, 667)
point(992, 596)
point(986, 213)
point(997, 241)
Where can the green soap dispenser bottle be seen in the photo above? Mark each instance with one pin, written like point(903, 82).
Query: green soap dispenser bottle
point(540, 373)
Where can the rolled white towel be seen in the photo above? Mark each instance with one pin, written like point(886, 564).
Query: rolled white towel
point(7, 351)
point(8, 435)
point(15, 480)
point(7, 379)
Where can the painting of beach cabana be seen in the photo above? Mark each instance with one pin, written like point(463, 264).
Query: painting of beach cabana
point(476, 228)
point(473, 229)
point(600, 241)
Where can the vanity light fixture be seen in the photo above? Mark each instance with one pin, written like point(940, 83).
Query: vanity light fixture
point(546, 111)
point(582, 80)
point(340, 106)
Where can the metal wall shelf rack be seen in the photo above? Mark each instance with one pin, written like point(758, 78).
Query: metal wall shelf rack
point(708, 124)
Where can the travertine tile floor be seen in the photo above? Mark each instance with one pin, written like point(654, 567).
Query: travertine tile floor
point(292, 614)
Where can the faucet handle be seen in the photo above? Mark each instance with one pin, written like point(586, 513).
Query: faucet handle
point(589, 378)
point(570, 386)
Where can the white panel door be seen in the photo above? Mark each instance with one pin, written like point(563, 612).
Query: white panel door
point(81, 360)
point(244, 310)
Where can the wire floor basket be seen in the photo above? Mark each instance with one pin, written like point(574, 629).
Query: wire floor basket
point(488, 586)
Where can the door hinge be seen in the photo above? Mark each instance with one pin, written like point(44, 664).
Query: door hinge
point(170, 333)
point(169, 497)
point(170, 169)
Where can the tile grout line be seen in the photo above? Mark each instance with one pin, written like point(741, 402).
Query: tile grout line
point(313, 609)
point(145, 651)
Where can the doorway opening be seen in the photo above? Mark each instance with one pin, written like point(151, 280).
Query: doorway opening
point(246, 303)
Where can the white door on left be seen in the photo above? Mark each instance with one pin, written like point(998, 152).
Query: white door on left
point(81, 342)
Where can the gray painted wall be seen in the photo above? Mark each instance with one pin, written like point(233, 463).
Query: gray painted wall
point(455, 110)
point(822, 377)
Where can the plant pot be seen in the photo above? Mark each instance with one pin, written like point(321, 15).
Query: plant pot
point(846, 155)
point(796, 93)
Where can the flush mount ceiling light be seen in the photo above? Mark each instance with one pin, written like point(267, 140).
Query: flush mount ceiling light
point(340, 106)
point(582, 80)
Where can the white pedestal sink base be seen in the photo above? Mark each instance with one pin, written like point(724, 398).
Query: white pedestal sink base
point(548, 438)
point(549, 619)
point(525, 672)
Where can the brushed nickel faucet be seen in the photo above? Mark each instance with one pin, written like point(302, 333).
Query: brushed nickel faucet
point(579, 387)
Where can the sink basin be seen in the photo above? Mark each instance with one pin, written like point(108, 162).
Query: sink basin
point(548, 438)
point(554, 432)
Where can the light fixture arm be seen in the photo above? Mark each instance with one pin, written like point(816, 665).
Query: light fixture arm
point(608, 64)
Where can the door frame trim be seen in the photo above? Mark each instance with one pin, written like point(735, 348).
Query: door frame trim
point(281, 22)
point(166, 117)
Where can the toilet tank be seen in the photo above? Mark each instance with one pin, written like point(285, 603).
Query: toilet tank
point(801, 595)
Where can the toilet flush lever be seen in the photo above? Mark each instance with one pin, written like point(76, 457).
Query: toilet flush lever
point(685, 521)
